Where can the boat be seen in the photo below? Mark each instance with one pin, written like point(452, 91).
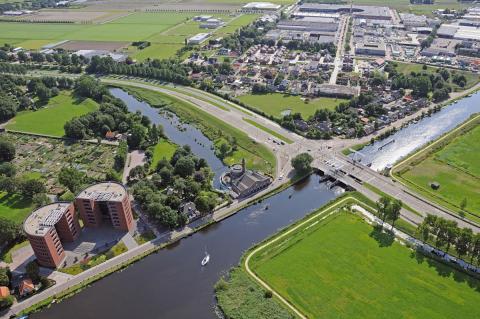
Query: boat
point(205, 259)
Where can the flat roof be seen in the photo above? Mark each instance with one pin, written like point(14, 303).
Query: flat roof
point(44, 218)
point(262, 6)
point(108, 191)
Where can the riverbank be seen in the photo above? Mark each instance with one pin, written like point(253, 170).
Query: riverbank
point(448, 161)
point(257, 156)
point(359, 144)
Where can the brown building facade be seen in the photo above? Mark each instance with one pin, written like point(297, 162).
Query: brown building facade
point(46, 229)
point(105, 203)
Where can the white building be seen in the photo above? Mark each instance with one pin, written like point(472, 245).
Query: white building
point(198, 38)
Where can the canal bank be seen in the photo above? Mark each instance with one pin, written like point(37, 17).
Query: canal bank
point(386, 152)
point(172, 283)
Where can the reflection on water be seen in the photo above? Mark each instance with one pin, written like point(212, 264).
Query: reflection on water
point(417, 135)
point(171, 283)
point(177, 132)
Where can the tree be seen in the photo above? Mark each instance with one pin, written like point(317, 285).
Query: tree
point(223, 150)
point(4, 277)
point(451, 233)
point(33, 271)
point(302, 163)
point(30, 187)
point(40, 199)
point(137, 136)
point(8, 107)
point(463, 242)
point(71, 178)
point(383, 207)
point(475, 248)
point(7, 151)
point(184, 167)
point(166, 175)
point(75, 129)
point(10, 232)
point(395, 208)
point(7, 169)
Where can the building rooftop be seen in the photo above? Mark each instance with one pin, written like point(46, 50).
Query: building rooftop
point(108, 191)
point(41, 220)
point(262, 6)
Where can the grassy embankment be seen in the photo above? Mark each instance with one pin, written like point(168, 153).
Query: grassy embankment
point(50, 119)
point(343, 267)
point(452, 161)
point(271, 132)
point(256, 155)
point(276, 103)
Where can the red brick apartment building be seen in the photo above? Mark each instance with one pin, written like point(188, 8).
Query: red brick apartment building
point(51, 225)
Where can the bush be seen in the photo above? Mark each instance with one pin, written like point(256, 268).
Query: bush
point(268, 294)
point(6, 302)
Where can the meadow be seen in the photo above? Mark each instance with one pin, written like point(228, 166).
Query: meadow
point(342, 267)
point(50, 119)
point(276, 103)
point(456, 168)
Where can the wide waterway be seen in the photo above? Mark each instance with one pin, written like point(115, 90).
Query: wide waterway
point(172, 283)
point(177, 132)
point(417, 135)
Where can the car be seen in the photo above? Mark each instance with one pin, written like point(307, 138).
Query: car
point(280, 177)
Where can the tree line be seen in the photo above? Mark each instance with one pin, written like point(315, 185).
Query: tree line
point(445, 233)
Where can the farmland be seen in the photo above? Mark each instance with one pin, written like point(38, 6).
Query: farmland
point(342, 267)
point(455, 167)
point(165, 31)
point(49, 120)
point(276, 103)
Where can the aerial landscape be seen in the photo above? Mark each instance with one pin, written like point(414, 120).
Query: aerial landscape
point(236, 159)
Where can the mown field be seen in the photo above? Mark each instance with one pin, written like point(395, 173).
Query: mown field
point(456, 168)
point(14, 207)
point(342, 267)
point(50, 119)
point(257, 156)
point(276, 103)
point(407, 68)
point(162, 149)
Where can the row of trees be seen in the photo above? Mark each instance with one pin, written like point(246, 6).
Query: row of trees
point(184, 178)
point(445, 233)
point(163, 70)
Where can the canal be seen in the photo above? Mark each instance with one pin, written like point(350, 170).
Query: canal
point(177, 132)
point(416, 135)
point(172, 283)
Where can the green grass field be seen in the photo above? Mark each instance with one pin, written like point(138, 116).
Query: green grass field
point(276, 103)
point(257, 156)
point(162, 149)
point(456, 168)
point(407, 68)
point(342, 267)
point(165, 30)
point(14, 207)
point(50, 119)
